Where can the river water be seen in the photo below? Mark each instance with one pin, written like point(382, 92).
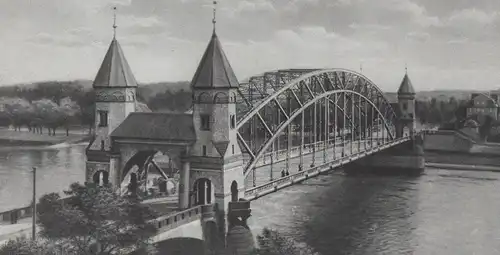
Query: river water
point(439, 212)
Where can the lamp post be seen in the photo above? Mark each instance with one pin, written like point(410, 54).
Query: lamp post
point(34, 204)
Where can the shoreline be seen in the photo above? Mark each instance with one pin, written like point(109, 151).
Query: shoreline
point(463, 167)
point(11, 138)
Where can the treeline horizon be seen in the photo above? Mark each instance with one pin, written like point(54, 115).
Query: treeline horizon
point(158, 97)
point(39, 105)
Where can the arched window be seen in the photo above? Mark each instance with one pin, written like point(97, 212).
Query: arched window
point(234, 191)
point(103, 118)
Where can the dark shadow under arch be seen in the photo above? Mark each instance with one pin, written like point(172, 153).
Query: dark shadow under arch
point(139, 159)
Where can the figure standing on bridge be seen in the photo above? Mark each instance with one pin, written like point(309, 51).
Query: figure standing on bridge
point(300, 168)
point(283, 173)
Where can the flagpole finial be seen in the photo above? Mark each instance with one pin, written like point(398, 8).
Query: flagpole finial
point(114, 22)
point(406, 68)
point(214, 20)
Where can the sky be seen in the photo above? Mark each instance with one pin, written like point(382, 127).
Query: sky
point(446, 44)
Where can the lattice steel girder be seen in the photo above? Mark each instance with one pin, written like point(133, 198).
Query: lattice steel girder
point(332, 80)
point(338, 75)
point(356, 82)
point(312, 94)
point(285, 124)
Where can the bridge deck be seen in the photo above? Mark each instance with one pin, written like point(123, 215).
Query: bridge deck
point(263, 172)
point(263, 167)
point(265, 186)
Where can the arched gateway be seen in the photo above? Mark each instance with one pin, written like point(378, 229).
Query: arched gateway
point(202, 144)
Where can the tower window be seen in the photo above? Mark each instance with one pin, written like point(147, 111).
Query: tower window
point(232, 147)
point(233, 121)
point(405, 106)
point(204, 150)
point(205, 122)
point(103, 118)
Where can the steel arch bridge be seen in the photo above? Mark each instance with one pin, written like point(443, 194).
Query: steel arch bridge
point(291, 113)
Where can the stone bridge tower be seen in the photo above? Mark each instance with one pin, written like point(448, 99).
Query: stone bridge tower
point(115, 98)
point(406, 103)
point(216, 158)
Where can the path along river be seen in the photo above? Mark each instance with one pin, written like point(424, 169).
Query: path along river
point(439, 212)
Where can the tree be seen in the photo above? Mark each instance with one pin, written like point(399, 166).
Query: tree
point(87, 108)
point(23, 246)
point(48, 112)
point(19, 111)
point(69, 109)
point(96, 218)
point(272, 242)
point(485, 128)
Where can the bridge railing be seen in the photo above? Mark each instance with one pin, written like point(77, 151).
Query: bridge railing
point(171, 221)
point(272, 186)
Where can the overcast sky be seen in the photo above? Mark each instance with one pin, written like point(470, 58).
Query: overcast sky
point(446, 43)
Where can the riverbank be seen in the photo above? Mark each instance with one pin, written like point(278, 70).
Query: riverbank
point(462, 167)
point(10, 137)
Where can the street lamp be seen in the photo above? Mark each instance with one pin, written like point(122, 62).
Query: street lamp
point(34, 204)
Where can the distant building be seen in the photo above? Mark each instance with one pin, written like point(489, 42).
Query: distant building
point(482, 105)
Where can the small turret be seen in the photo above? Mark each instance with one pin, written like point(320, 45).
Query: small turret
point(115, 88)
point(406, 102)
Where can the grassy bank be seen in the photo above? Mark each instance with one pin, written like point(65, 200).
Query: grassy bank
point(10, 137)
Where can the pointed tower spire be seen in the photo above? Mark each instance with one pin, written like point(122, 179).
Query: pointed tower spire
point(214, 70)
point(114, 70)
point(406, 86)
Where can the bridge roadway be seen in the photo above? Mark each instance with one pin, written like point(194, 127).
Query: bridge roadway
point(265, 186)
point(263, 170)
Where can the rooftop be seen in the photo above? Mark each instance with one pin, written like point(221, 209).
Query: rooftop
point(114, 71)
point(214, 70)
point(177, 127)
point(406, 87)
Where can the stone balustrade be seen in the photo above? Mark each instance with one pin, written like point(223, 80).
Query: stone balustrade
point(171, 221)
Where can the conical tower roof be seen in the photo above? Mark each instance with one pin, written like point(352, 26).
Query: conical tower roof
point(406, 87)
point(114, 71)
point(214, 70)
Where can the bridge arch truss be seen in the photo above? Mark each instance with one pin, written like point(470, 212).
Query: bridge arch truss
point(303, 111)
